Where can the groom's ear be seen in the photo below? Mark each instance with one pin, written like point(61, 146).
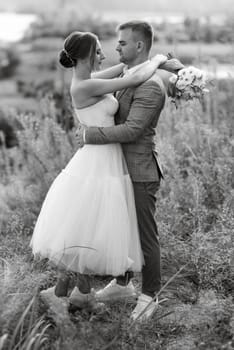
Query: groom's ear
point(140, 46)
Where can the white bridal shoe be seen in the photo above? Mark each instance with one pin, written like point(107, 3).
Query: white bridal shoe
point(87, 301)
point(58, 305)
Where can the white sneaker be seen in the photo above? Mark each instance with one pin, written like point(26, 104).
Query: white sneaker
point(48, 295)
point(87, 301)
point(79, 299)
point(114, 291)
point(144, 309)
point(59, 306)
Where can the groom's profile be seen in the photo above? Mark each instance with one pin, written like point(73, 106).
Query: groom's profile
point(137, 117)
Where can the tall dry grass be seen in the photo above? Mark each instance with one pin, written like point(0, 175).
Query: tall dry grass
point(196, 225)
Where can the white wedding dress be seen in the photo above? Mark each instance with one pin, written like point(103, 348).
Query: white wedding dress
point(88, 222)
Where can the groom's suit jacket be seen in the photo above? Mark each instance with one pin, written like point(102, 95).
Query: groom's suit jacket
point(136, 120)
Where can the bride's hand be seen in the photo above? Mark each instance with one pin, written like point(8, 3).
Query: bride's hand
point(160, 59)
point(147, 69)
point(80, 135)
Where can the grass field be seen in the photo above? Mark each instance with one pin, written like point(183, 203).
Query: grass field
point(194, 214)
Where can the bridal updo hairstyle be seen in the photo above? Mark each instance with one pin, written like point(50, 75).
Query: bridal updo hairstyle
point(78, 46)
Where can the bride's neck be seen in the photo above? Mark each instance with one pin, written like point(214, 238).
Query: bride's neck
point(82, 71)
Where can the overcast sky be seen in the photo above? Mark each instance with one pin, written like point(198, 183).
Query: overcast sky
point(181, 6)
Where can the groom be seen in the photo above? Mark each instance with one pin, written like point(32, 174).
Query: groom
point(136, 120)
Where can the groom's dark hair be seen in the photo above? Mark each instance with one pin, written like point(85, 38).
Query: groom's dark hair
point(144, 29)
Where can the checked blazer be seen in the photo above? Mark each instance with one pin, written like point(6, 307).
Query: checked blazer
point(136, 120)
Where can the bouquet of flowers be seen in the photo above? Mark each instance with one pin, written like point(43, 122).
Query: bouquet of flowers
point(190, 83)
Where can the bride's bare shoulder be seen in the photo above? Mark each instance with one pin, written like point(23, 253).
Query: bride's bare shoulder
point(81, 96)
point(86, 87)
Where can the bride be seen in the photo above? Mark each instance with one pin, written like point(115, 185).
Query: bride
point(87, 223)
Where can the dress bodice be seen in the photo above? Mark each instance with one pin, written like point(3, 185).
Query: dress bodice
point(99, 114)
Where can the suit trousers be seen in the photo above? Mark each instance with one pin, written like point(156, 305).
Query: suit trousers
point(145, 199)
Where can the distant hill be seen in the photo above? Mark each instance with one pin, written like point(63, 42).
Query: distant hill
point(182, 6)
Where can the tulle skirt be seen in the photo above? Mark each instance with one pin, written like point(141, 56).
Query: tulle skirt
point(88, 222)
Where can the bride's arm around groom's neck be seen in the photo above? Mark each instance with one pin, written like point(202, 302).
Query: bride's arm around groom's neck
point(109, 73)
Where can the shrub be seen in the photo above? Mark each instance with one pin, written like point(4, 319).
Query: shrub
point(9, 125)
point(64, 22)
point(9, 61)
point(44, 148)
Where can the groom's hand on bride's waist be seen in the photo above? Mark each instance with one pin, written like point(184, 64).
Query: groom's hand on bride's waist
point(80, 135)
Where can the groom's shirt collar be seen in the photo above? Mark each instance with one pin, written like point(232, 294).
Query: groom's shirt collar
point(131, 70)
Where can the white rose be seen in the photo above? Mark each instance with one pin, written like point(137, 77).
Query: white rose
point(181, 84)
point(186, 75)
